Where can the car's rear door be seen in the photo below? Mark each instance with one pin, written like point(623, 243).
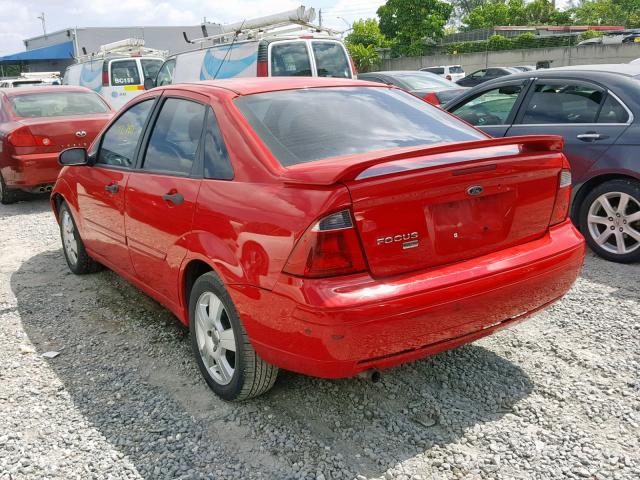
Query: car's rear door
point(162, 192)
point(588, 117)
point(101, 188)
point(493, 109)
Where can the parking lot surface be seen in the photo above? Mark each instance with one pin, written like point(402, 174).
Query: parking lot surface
point(557, 396)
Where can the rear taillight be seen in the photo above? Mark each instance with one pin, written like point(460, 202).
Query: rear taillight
point(105, 78)
point(432, 98)
point(263, 69)
point(353, 67)
point(329, 247)
point(22, 137)
point(563, 198)
point(449, 77)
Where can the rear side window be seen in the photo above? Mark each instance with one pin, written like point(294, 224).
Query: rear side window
point(491, 107)
point(57, 104)
point(331, 60)
point(612, 112)
point(216, 157)
point(150, 67)
point(311, 124)
point(175, 137)
point(120, 141)
point(290, 59)
point(124, 72)
point(563, 103)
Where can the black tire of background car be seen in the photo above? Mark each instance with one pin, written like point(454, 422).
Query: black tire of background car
point(85, 263)
point(253, 376)
point(8, 195)
point(630, 187)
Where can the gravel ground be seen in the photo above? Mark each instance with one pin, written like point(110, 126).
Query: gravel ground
point(557, 396)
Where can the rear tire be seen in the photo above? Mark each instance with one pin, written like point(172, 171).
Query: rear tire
point(610, 220)
point(8, 195)
point(78, 259)
point(226, 358)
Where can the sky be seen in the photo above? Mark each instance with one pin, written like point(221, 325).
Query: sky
point(18, 19)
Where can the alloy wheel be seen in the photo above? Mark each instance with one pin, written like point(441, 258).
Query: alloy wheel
point(69, 241)
point(614, 222)
point(216, 338)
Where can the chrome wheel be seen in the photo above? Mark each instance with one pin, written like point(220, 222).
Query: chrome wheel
point(69, 241)
point(614, 222)
point(216, 338)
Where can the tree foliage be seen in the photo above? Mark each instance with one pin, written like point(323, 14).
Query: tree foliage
point(608, 12)
point(364, 57)
point(362, 42)
point(515, 12)
point(410, 24)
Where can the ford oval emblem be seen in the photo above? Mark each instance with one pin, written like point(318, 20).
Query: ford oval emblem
point(475, 190)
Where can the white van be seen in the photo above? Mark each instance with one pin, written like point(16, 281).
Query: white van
point(263, 47)
point(118, 76)
point(450, 72)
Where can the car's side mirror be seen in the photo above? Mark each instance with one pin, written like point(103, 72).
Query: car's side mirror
point(149, 83)
point(73, 156)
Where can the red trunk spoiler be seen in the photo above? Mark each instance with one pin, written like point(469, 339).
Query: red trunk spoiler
point(340, 169)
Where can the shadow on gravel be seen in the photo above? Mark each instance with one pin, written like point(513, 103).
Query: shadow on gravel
point(127, 367)
point(30, 204)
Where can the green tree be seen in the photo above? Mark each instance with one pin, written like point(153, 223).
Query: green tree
point(366, 32)
point(410, 24)
point(608, 12)
point(365, 57)
point(515, 12)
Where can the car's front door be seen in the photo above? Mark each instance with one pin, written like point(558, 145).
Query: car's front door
point(494, 109)
point(101, 188)
point(588, 117)
point(161, 194)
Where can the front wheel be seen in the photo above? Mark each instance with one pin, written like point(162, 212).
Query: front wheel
point(78, 259)
point(226, 359)
point(610, 220)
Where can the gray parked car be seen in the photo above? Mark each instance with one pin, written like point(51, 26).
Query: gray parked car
point(596, 108)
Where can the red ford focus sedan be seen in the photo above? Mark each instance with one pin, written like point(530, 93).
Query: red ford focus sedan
point(36, 124)
point(324, 226)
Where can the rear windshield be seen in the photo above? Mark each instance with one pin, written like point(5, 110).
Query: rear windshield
point(425, 81)
point(151, 67)
point(456, 69)
point(57, 104)
point(124, 72)
point(331, 60)
point(290, 59)
point(301, 126)
point(26, 83)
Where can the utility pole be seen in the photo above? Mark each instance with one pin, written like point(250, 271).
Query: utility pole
point(320, 17)
point(44, 25)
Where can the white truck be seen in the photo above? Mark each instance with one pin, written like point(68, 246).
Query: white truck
point(117, 71)
point(284, 44)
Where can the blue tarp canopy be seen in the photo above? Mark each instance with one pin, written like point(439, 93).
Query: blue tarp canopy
point(62, 51)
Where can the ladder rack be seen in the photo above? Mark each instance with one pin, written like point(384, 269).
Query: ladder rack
point(130, 47)
point(294, 21)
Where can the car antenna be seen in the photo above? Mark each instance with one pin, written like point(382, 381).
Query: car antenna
point(224, 59)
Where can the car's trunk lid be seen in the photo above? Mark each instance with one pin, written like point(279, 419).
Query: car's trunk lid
point(437, 206)
point(68, 131)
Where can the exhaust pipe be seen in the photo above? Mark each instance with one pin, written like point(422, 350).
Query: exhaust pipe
point(371, 375)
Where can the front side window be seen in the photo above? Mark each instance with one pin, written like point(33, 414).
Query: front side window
point(331, 60)
point(311, 124)
point(491, 107)
point(175, 138)
point(58, 104)
point(150, 67)
point(121, 139)
point(165, 74)
point(559, 103)
point(290, 59)
point(124, 72)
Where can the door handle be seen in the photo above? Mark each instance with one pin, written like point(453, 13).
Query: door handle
point(591, 136)
point(175, 198)
point(112, 187)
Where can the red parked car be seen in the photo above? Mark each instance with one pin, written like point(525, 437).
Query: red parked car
point(36, 124)
point(325, 226)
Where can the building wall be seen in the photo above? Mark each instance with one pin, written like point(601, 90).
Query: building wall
point(562, 56)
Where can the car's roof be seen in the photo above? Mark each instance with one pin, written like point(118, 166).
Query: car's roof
point(398, 72)
point(251, 85)
point(629, 69)
point(12, 92)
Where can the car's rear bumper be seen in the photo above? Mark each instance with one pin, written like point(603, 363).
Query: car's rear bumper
point(341, 326)
point(29, 172)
